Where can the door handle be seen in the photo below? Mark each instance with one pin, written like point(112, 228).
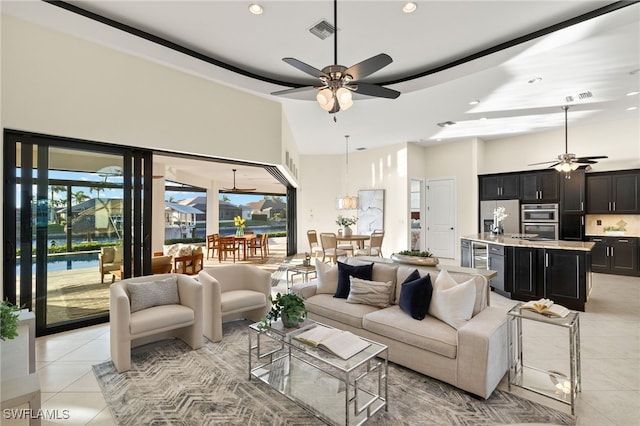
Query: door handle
point(546, 260)
point(614, 206)
point(582, 220)
point(610, 206)
point(607, 251)
point(611, 251)
point(451, 228)
point(581, 205)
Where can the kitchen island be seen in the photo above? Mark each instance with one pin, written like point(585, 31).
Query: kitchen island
point(530, 269)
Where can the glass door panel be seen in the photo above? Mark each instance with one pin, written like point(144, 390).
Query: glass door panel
point(64, 202)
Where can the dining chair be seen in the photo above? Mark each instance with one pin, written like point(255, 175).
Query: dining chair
point(330, 247)
point(314, 246)
point(228, 245)
point(375, 246)
point(213, 244)
point(348, 246)
point(259, 243)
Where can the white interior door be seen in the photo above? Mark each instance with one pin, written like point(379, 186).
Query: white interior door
point(441, 217)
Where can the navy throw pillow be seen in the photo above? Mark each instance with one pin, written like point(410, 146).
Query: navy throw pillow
point(415, 297)
point(364, 272)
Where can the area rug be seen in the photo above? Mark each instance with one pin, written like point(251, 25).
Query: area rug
point(170, 384)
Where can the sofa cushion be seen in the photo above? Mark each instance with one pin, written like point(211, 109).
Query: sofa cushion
point(373, 293)
point(107, 254)
point(118, 254)
point(327, 278)
point(345, 271)
point(160, 317)
point(232, 301)
point(452, 302)
point(147, 294)
point(339, 310)
point(429, 334)
point(382, 272)
point(415, 296)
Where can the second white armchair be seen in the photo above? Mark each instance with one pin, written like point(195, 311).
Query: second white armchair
point(233, 292)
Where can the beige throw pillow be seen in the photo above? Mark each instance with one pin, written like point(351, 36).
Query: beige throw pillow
point(451, 302)
point(373, 293)
point(327, 278)
point(144, 295)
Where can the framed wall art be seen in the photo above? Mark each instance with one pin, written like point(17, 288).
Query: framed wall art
point(370, 211)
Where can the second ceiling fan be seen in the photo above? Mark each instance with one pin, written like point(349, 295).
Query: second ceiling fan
point(234, 189)
point(568, 162)
point(337, 82)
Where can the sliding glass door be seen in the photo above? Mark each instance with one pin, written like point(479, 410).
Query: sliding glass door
point(66, 202)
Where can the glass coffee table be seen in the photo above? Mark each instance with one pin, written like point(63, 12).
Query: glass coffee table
point(339, 391)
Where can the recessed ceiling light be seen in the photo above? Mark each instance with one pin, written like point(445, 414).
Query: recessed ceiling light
point(535, 80)
point(632, 93)
point(409, 7)
point(474, 102)
point(633, 108)
point(256, 9)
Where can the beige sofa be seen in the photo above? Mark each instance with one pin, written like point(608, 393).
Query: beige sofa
point(472, 358)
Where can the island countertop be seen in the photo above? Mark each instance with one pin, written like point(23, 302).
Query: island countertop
point(513, 241)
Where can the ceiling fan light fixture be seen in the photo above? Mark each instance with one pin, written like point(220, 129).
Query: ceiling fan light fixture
point(344, 97)
point(326, 99)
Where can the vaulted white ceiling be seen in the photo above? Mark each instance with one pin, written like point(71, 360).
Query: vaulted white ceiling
point(594, 61)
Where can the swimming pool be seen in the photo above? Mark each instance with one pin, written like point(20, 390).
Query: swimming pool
point(65, 262)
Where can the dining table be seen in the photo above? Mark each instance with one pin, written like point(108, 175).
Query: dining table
point(360, 239)
point(245, 241)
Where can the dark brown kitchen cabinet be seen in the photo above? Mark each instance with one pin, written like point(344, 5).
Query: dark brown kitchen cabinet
point(572, 227)
point(528, 277)
point(499, 187)
point(615, 255)
point(567, 277)
point(540, 186)
point(561, 275)
point(613, 193)
point(572, 193)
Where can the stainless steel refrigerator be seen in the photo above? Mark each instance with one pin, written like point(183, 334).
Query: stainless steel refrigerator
point(511, 224)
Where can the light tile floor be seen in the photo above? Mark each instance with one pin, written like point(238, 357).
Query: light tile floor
point(610, 342)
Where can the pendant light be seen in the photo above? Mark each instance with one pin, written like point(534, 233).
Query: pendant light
point(347, 202)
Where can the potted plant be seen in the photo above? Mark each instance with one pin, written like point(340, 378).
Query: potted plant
point(289, 307)
point(345, 222)
point(8, 320)
point(415, 257)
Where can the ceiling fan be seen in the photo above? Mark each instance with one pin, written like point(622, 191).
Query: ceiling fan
point(568, 162)
point(337, 82)
point(234, 189)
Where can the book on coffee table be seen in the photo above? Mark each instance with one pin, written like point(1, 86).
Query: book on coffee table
point(339, 342)
point(546, 307)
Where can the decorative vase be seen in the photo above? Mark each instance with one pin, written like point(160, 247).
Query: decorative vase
point(239, 232)
point(346, 231)
point(288, 321)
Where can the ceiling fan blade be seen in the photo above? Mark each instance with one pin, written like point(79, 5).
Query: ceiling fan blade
point(591, 157)
point(375, 90)
point(305, 68)
point(305, 93)
point(543, 162)
point(369, 66)
point(553, 165)
point(584, 161)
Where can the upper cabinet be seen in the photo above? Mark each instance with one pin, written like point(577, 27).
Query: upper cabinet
point(540, 186)
point(499, 187)
point(613, 193)
point(572, 193)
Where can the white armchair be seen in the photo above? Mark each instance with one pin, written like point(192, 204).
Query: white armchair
point(130, 329)
point(233, 292)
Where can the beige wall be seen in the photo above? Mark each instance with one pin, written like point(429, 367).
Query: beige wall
point(620, 140)
point(323, 180)
point(60, 85)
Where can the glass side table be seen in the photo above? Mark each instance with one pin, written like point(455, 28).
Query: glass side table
point(552, 384)
point(303, 270)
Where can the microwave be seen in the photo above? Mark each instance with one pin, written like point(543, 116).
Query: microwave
point(539, 213)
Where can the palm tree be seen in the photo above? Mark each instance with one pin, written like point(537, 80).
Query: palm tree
point(79, 196)
point(97, 189)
